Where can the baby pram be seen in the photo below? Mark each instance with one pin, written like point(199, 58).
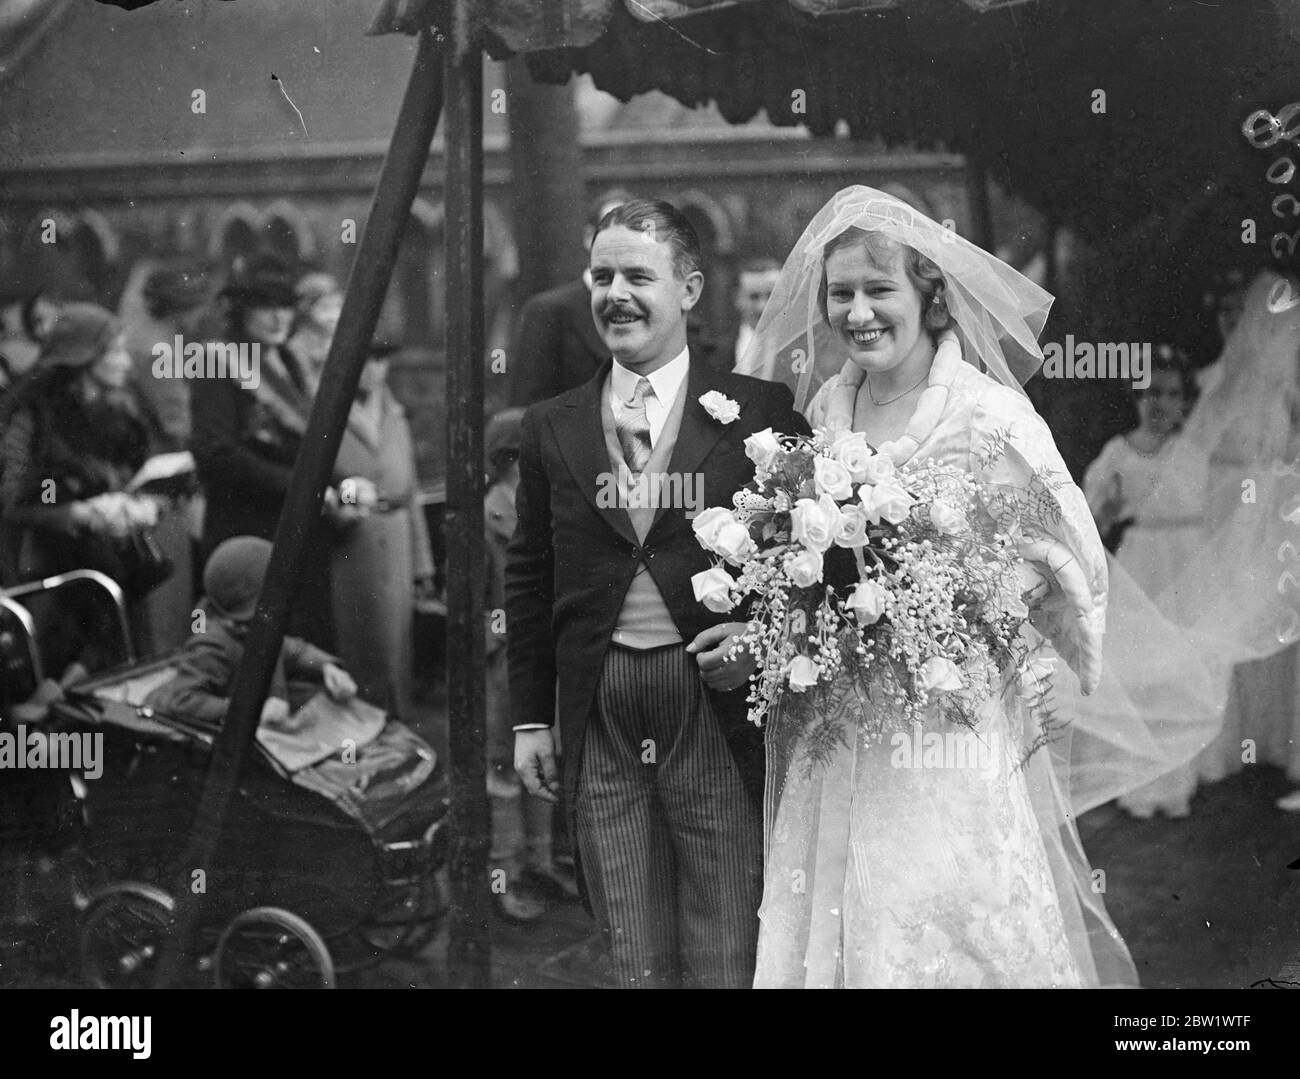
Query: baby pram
point(328, 861)
point(329, 866)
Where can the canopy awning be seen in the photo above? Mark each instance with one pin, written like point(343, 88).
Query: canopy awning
point(523, 26)
point(1105, 114)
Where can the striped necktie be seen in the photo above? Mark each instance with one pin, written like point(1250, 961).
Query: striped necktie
point(634, 428)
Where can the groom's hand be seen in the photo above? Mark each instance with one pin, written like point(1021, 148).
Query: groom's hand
point(535, 763)
point(710, 650)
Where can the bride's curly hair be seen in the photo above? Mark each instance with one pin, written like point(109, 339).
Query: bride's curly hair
point(925, 276)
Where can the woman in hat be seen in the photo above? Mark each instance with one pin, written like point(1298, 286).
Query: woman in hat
point(74, 435)
point(246, 438)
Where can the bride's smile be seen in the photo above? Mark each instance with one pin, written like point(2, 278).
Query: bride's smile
point(877, 312)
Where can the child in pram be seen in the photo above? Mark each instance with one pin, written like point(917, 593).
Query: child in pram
point(210, 658)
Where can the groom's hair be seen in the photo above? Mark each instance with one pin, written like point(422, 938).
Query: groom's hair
point(663, 221)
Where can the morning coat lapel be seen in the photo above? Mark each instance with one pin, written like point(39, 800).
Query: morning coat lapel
point(580, 435)
point(699, 431)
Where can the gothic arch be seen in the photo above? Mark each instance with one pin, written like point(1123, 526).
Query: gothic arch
point(704, 204)
point(234, 218)
point(97, 224)
point(296, 222)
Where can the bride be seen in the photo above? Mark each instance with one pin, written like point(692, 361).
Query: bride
point(882, 871)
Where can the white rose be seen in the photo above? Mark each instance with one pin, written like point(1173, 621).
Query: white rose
point(763, 447)
point(853, 452)
point(877, 468)
point(831, 478)
point(721, 407)
point(733, 542)
point(941, 674)
point(886, 500)
point(708, 523)
point(813, 523)
point(852, 528)
point(803, 673)
point(713, 589)
point(868, 602)
point(805, 569)
point(947, 518)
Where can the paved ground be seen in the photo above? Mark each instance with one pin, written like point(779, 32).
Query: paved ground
point(1206, 902)
point(1209, 901)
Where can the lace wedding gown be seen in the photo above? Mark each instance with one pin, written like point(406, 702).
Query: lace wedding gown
point(889, 868)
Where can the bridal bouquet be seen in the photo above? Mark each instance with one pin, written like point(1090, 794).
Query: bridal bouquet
point(889, 577)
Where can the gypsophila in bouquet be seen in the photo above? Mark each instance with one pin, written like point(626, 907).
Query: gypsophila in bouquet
point(850, 566)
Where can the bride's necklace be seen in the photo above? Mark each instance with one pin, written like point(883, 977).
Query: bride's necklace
point(900, 396)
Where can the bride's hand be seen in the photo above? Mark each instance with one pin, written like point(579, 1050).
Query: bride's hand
point(710, 650)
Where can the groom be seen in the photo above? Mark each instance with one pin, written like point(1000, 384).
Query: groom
point(663, 774)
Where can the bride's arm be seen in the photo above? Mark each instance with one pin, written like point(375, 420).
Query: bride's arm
point(1026, 485)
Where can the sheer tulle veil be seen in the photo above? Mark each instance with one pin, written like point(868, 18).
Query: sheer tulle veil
point(1162, 685)
point(998, 312)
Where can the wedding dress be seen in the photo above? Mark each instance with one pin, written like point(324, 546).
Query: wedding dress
point(894, 862)
point(884, 870)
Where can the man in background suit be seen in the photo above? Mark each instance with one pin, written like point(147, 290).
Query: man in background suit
point(663, 773)
point(758, 277)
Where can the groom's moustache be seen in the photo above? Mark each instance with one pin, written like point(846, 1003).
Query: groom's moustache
point(610, 310)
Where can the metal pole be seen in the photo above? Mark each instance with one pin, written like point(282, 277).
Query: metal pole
point(469, 948)
point(399, 180)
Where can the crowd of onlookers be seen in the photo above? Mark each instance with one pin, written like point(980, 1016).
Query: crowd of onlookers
point(111, 463)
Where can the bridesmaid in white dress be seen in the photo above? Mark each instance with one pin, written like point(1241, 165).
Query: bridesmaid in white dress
point(1249, 423)
point(1133, 480)
point(1236, 458)
point(1146, 478)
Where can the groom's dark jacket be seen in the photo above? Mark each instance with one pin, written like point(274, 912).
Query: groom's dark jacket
point(571, 561)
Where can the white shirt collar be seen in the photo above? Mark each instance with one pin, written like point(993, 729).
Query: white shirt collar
point(665, 382)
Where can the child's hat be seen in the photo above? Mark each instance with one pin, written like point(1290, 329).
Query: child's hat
point(234, 574)
point(80, 335)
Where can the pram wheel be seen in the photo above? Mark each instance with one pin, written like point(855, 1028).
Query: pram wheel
point(122, 933)
point(270, 948)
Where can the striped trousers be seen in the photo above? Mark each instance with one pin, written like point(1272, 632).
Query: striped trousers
point(671, 845)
